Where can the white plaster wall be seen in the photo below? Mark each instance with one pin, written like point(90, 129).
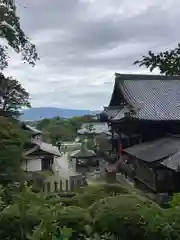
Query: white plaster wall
point(32, 165)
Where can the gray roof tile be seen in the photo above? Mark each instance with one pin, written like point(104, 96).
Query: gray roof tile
point(32, 129)
point(152, 97)
point(98, 128)
point(47, 147)
point(83, 153)
point(154, 150)
point(173, 162)
point(111, 112)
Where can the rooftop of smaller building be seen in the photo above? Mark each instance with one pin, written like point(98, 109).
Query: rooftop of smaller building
point(93, 128)
point(31, 128)
point(46, 147)
point(165, 150)
point(83, 152)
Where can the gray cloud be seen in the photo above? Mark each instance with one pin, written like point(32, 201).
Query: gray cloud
point(82, 43)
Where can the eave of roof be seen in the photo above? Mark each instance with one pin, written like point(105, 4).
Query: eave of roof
point(155, 100)
point(120, 76)
point(83, 153)
point(155, 150)
point(45, 147)
point(172, 162)
point(31, 128)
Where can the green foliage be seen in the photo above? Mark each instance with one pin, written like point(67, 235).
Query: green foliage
point(75, 218)
point(31, 216)
point(11, 147)
point(13, 97)
point(88, 195)
point(61, 129)
point(11, 32)
point(65, 201)
point(176, 200)
point(128, 217)
point(168, 62)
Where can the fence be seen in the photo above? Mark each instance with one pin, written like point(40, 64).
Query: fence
point(62, 186)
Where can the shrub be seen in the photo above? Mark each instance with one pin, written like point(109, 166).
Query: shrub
point(88, 195)
point(75, 218)
point(65, 201)
point(14, 226)
point(172, 222)
point(129, 216)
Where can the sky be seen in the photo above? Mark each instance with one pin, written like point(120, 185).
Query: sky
point(82, 43)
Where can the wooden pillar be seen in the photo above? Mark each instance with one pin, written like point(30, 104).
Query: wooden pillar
point(48, 187)
point(67, 185)
point(55, 186)
point(112, 137)
point(60, 186)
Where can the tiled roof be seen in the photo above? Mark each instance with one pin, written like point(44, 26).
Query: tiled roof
point(121, 114)
point(152, 97)
point(35, 148)
point(173, 162)
point(47, 147)
point(97, 128)
point(31, 128)
point(111, 112)
point(83, 153)
point(155, 150)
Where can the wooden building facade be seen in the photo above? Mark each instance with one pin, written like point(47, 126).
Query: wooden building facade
point(38, 155)
point(144, 112)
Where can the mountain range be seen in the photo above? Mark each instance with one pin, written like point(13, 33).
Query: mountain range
point(35, 114)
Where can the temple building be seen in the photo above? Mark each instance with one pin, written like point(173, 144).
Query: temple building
point(38, 155)
point(84, 160)
point(144, 112)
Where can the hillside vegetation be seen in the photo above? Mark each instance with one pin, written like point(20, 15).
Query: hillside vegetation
point(96, 212)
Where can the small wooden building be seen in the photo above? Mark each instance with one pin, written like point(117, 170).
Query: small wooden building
point(84, 160)
point(144, 112)
point(39, 157)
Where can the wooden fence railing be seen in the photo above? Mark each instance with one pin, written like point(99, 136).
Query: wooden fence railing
point(61, 186)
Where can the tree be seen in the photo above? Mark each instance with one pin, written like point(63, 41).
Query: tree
point(12, 96)
point(168, 62)
point(10, 30)
point(11, 148)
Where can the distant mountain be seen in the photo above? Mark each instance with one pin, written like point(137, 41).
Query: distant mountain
point(35, 114)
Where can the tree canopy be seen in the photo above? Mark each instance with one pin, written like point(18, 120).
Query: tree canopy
point(10, 30)
point(12, 97)
point(60, 128)
point(11, 145)
point(95, 213)
point(167, 62)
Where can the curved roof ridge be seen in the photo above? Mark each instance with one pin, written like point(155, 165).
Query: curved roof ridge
point(124, 76)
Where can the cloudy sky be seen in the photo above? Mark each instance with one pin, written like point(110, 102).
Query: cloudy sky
point(82, 43)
